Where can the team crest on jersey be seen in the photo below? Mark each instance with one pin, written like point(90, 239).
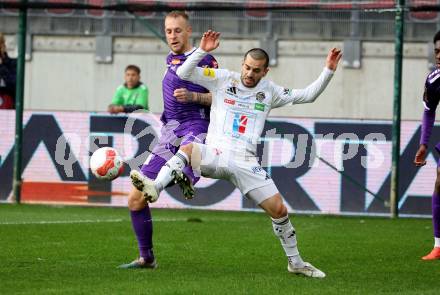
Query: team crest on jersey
point(260, 96)
point(286, 91)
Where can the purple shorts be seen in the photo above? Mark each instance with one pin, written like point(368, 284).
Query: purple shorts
point(173, 135)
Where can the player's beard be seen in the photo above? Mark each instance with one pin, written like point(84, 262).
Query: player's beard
point(251, 80)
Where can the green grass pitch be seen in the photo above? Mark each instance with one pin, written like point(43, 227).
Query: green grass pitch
point(75, 250)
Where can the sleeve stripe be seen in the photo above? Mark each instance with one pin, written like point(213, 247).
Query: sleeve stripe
point(425, 106)
point(434, 78)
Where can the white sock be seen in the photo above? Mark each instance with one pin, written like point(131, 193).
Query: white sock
point(284, 230)
point(436, 242)
point(164, 177)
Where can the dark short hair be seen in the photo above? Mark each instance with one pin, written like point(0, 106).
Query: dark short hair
point(258, 54)
point(436, 36)
point(133, 68)
point(178, 13)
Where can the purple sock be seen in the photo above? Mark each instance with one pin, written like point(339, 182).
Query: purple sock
point(143, 228)
point(436, 214)
point(190, 173)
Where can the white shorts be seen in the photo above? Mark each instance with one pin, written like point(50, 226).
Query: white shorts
point(243, 171)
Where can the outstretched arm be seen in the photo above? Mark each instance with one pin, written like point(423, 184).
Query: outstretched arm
point(333, 58)
point(312, 91)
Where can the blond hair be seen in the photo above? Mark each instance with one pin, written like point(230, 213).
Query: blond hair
point(178, 13)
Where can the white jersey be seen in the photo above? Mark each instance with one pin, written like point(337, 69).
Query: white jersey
point(238, 113)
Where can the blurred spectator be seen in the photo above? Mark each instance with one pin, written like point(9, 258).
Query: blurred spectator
point(7, 77)
point(132, 95)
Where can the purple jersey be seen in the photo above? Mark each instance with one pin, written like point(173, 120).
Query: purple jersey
point(431, 96)
point(174, 110)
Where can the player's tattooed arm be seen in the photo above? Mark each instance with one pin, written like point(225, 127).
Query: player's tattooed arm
point(202, 98)
point(183, 95)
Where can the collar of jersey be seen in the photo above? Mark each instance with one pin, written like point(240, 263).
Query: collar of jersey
point(185, 53)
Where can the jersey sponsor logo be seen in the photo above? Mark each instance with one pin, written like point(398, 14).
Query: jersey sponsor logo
point(243, 105)
point(175, 61)
point(229, 101)
point(208, 72)
point(232, 90)
point(259, 107)
point(240, 123)
point(260, 96)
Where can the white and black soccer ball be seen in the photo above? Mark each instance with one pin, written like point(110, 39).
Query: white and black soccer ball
point(106, 163)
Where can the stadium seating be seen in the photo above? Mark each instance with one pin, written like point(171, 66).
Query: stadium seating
point(261, 14)
point(59, 11)
point(10, 11)
point(143, 14)
point(424, 16)
point(95, 12)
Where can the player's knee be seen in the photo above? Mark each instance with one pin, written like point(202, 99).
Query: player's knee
point(135, 200)
point(187, 148)
point(196, 158)
point(278, 209)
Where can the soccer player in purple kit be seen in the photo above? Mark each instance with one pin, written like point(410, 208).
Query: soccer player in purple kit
point(431, 98)
point(185, 118)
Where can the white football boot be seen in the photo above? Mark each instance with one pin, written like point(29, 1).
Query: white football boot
point(145, 185)
point(308, 270)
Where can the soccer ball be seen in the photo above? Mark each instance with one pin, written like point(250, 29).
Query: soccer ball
point(106, 163)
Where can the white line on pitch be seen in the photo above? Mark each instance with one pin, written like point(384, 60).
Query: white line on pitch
point(83, 221)
point(60, 221)
point(203, 219)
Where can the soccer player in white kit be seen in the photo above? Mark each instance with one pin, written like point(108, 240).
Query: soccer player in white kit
point(240, 106)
